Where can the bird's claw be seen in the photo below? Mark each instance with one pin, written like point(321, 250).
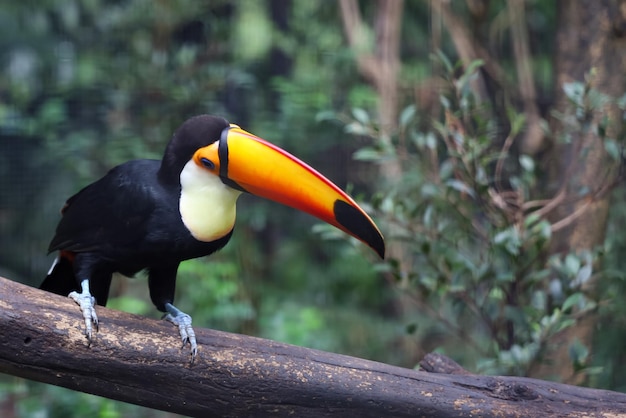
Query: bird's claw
point(187, 334)
point(87, 306)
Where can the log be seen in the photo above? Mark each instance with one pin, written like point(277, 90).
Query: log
point(139, 360)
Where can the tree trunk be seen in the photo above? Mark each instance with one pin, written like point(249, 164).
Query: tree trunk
point(588, 39)
point(380, 65)
point(139, 360)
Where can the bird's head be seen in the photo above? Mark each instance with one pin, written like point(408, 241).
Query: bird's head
point(247, 163)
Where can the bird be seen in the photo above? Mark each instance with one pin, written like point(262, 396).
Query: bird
point(150, 215)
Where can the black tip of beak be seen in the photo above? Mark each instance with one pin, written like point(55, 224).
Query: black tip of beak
point(359, 225)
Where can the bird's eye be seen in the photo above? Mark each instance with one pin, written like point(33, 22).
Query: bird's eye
point(207, 163)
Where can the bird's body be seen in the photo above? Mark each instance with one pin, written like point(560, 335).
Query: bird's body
point(151, 215)
point(125, 222)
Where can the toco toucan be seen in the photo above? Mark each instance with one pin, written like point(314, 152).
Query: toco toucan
point(150, 214)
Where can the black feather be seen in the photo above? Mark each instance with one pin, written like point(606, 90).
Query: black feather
point(129, 220)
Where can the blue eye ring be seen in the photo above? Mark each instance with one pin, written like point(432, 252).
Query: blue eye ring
point(207, 163)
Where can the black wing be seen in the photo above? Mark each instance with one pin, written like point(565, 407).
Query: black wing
point(110, 213)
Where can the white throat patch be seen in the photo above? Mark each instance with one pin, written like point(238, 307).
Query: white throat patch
point(207, 206)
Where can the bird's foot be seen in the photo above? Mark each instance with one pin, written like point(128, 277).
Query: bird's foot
point(183, 321)
point(87, 305)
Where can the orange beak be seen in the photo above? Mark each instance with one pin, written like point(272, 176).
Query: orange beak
point(251, 164)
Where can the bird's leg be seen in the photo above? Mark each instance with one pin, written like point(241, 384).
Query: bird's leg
point(183, 321)
point(86, 303)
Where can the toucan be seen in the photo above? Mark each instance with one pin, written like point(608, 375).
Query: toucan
point(151, 215)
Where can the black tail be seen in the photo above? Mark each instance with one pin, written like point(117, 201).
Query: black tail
point(60, 278)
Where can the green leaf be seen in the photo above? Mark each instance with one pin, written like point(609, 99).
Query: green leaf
point(458, 185)
point(527, 163)
point(583, 275)
point(325, 115)
point(613, 149)
point(463, 82)
point(440, 57)
point(543, 229)
point(496, 294)
point(596, 370)
point(431, 140)
point(574, 91)
point(427, 218)
point(539, 300)
point(505, 276)
point(597, 100)
point(444, 102)
point(361, 115)
point(355, 128)
point(578, 352)
point(572, 264)
point(621, 102)
point(418, 138)
point(531, 220)
point(509, 239)
point(539, 275)
point(407, 116)
point(52, 112)
point(367, 154)
point(573, 300)
point(517, 121)
point(566, 323)
point(474, 65)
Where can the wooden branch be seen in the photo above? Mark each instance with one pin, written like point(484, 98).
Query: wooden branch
point(139, 360)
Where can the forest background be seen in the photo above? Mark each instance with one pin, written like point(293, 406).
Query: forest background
point(485, 137)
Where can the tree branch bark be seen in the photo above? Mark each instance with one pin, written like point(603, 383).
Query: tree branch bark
point(138, 360)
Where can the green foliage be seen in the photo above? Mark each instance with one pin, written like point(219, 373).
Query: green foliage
point(589, 113)
point(34, 400)
point(87, 84)
point(478, 266)
point(214, 293)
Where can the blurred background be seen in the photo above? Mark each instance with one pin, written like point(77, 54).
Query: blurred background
point(485, 138)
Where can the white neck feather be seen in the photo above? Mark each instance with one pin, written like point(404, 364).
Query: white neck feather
point(207, 206)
